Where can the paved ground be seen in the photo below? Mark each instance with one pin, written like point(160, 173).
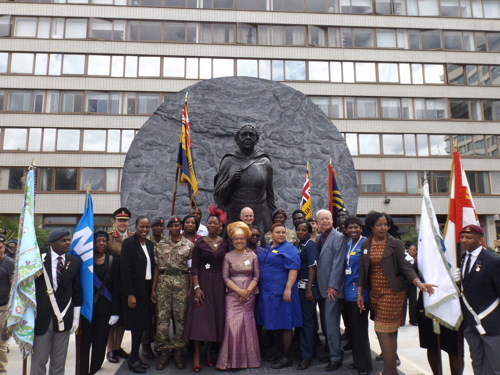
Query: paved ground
point(413, 360)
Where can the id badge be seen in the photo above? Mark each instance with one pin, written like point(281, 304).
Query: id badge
point(348, 271)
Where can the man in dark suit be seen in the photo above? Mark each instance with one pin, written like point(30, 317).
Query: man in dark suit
point(56, 319)
point(480, 272)
point(330, 275)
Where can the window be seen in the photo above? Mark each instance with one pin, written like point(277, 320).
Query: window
point(22, 63)
point(318, 71)
point(459, 109)
point(98, 65)
point(436, 109)
point(431, 39)
point(363, 38)
point(317, 36)
point(73, 64)
point(248, 68)
point(388, 72)
point(10, 178)
point(15, 139)
point(76, 28)
point(453, 40)
point(433, 73)
point(395, 182)
point(94, 178)
point(68, 140)
point(25, 27)
point(65, 178)
point(386, 38)
point(295, 70)
point(371, 182)
point(439, 144)
point(390, 108)
point(19, 101)
point(366, 107)
point(94, 140)
point(440, 182)
point(4, 26)
point(247, 34)
point(478, 182)
point(365, 72)
point(393, 144)
point(369, 144)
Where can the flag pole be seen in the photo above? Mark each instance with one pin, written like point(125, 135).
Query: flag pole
point(174, 195)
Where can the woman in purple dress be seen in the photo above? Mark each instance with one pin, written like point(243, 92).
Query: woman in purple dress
point(240, 271)
point(205, 312)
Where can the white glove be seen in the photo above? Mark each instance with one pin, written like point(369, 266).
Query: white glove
point(113, 319)
point(76, 319)
point(456, 274)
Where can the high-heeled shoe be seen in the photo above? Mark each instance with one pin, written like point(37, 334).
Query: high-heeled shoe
point(196, 368)
point(135, 365)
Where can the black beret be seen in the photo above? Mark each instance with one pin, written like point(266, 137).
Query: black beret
point(173, 219)
point(279, 211)
point(157, 221)
point(57, 233)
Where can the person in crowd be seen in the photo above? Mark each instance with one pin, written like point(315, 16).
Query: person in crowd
point(384, 269)
point(190, 226)
point(148, 336)
point(330, 276)
point(240, 271)
point(106, 309)
point(11, 248)
point(315, 229)
point(246, 215)
point(254, 239)
point(121, 219)
point(356, 319)
point(298, 216)
point(411, 291)
point(136, 273)
point(339, 218)
point(202, 229)
point(205, 313)
point(57, 288)
point(7, 265)
point(279, 216)
point(170, 292)
point(480, 276)
point(279, 304)
point(308, 293)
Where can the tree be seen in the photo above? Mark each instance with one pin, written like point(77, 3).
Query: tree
point(10, 229)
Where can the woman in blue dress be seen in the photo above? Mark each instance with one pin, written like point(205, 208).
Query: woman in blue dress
point(357, 319)
point(279, 304)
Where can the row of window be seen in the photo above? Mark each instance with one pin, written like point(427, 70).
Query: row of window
point(54, 101)
point(64, 179)
point(408, 108)
point(421, 144)
point(279, 70)
point(410, 182)
point(108, 180)
point(445, 8)
point(64, 140)
point(296, 35)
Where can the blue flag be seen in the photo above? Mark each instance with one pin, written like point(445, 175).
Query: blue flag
point(22, 304)
point(82, 246)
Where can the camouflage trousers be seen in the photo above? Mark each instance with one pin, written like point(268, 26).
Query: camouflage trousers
point(171, 303)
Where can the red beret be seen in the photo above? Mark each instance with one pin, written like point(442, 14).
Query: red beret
point(472, 229)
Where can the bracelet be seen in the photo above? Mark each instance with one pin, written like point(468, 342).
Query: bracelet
point(196, 287)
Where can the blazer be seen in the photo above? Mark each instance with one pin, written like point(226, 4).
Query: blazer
point(68, 288)
point(396, 268)
point(330, 268)
point(133, 266)
point(481, 289)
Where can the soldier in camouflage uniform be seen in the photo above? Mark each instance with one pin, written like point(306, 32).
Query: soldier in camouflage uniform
point(157, 235)
point(170, 292)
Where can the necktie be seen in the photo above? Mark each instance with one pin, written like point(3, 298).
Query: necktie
point(467, 267)
point(59, 268)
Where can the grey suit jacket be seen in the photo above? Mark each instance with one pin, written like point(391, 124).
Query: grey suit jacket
point(330, 269)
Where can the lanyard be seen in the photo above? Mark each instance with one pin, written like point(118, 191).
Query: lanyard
point(350, 250)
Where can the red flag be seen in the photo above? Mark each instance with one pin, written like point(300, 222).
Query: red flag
point(461, 211)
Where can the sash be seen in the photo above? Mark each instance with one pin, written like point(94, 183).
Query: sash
point(101, 288)
point(55, 307)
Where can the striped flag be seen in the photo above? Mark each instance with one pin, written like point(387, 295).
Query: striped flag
point(461, 211)
point(336, 201)
point(82, 246)
point(305, 203)
point(22, 303)
point(433, 262)
point(184, 157)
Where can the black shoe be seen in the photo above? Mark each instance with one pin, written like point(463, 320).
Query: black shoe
point(144, 364)
point(325, 359)
point(332, 366)
point(135, 366)
point(121, 353)
point(273, 356)
point(347, 348)
point(281, 363)
point(352, 366)
point(147, 352)
point(112, 357)
point(304, 364)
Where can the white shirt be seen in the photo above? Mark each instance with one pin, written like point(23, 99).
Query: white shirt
point(474, 254)
point(54, 261)
point(202, 230)
point(148, 264)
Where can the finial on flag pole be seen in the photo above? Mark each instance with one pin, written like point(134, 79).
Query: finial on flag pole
point(186, 97)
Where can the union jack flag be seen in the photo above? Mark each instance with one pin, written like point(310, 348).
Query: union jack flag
point(305, 203)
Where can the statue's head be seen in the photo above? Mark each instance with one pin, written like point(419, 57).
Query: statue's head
point(247, 136)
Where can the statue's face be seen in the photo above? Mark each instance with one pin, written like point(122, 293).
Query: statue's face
point(247, 139)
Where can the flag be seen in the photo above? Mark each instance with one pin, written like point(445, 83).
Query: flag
point(82, 246)
point(184, 157)
point(461, 210)
point(22, 303)
point(434, 265)
point(336, 202)
point(305, 203)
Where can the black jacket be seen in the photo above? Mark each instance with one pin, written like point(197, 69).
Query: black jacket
point(69, 287)
point(133, 266)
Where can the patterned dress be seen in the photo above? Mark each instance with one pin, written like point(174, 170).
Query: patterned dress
point(385, 302)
